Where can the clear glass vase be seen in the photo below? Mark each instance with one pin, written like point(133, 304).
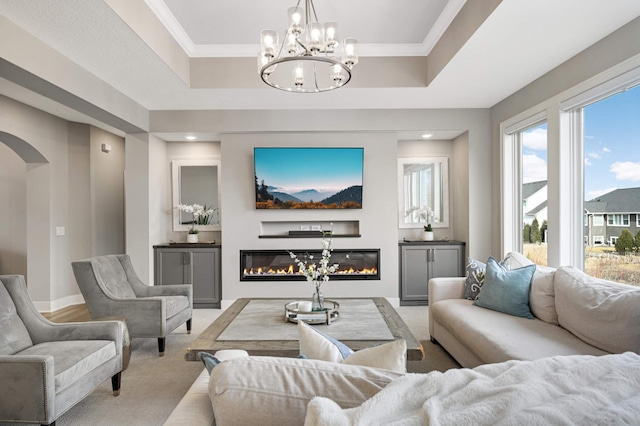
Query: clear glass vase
point(317, 302)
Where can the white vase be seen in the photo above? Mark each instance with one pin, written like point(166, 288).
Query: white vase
point(427, 235)
point(192, 238)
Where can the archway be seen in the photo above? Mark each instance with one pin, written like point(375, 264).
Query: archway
point(26, 239)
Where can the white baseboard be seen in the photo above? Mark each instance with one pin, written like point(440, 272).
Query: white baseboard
point(58, 304)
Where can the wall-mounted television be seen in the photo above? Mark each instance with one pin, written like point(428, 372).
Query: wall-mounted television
point(308, 178)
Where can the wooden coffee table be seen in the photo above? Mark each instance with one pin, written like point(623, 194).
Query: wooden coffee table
point(208, 341)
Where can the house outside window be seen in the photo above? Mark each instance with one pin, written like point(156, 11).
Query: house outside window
point(598, 240)
point(618, 219)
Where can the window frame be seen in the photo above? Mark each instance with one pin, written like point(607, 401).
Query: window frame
point(511, 200)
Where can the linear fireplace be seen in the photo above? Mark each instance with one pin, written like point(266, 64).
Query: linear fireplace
point(277, 265)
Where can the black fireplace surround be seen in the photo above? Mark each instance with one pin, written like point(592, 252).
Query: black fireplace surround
point(277, 265)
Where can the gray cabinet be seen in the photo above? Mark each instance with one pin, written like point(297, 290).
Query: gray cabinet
point(419, 262)
point(194, 264)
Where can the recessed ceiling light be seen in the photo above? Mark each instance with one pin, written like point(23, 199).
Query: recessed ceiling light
point(426, 136)
point(190, 138)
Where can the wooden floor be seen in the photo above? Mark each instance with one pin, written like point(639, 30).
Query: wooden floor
point(74, 313)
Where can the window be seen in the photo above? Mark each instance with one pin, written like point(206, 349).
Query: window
point(592, 130)
point(638, 220)
point(611, 173)
point(618, 219)
point(533, 145)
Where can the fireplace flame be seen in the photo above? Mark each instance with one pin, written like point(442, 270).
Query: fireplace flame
point(291, 271)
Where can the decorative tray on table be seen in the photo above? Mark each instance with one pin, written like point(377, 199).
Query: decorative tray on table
point(300, 311)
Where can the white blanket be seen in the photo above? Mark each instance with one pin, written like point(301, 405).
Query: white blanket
point(568, 390)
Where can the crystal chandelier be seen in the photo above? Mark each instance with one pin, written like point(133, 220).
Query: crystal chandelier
point(308, 64)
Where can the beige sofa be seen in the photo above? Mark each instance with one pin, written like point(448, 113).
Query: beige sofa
point(275, 385)
point(575, 314)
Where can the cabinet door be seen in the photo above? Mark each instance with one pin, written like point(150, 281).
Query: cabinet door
point(171, 267)
point(445, 262)
point(205, 270)
point(414, 273)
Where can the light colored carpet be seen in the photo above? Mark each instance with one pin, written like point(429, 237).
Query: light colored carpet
point(264, 320)
point(153, 386)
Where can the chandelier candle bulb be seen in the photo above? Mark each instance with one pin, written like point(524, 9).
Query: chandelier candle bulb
point(298, 75)
point(336, 73)
point(350, 52)
point(269, 41)
point(292, 44)
point(295, 18)
point(314, 37)
point(330, 31)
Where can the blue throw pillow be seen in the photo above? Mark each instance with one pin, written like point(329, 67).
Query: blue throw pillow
point(209, 360)
point(506, 291)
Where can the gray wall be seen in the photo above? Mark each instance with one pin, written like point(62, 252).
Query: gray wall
point(13, 226)
point(67, 184)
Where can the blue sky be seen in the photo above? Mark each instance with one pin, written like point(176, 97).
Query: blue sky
point(296, 169)
point(611, 145)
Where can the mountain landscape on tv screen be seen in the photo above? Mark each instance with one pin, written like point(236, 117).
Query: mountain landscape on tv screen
point(274, 198)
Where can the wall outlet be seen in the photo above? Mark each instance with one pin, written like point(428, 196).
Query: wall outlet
point(59, 231)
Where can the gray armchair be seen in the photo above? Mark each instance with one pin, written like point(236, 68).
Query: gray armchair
point(111, 288)
point(46, 368)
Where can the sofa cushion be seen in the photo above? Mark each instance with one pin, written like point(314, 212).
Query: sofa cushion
point(314, 344)
point(603, 313)
point(506, 290)
point(73, 359)
point(542, 299)
point(495, 337)
point(258, 390)
point(14, 336)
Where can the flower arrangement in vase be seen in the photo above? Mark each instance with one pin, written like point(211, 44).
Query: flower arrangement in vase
point(423, 214)
point(201, 215)
point(317, 273)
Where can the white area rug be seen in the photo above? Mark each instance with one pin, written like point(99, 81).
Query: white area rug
point(264, 320)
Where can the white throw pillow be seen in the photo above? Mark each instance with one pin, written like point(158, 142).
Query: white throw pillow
point(542, 299)
point(603, 313)
point(262, 390)
point(314, 344)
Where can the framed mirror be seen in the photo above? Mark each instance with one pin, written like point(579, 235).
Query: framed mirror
point(196, 182)
point(423, 191)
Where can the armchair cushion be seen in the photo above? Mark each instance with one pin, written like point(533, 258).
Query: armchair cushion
point(14, 336)
point(114, 277)
point(73, 359)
